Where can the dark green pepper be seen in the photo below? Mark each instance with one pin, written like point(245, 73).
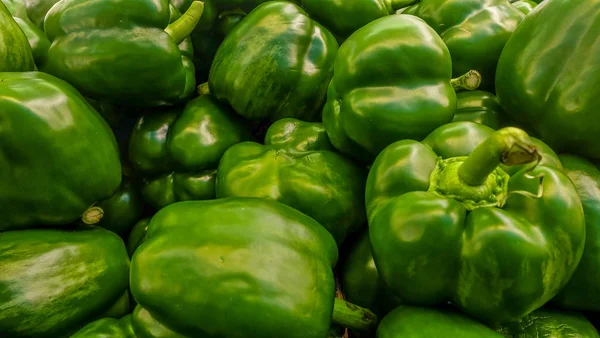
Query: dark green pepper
point(545, 77)
point(135, 56)
point(448, 223)
point(55, 281)
point(275, 63)
point(420, 322)
point(137, 235)
point(298, 167)
point(38, 41)
point(177, 151)
point(123, 209)
point(15, 52)
point(583, 291)
point(480, 107)
point(59, 156)
point(255, 265)
point(475, 32)
point(386, 87)
point(547, 323)
point(107, 328)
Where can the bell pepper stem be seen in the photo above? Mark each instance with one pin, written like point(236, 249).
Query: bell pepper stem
point(469, 81)
point(395, 5)
point(508, 146)
point(185, 24)
point(353, 316)
point(92, 215)
point(203, 89)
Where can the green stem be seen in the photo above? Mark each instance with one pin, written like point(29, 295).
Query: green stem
point(92, 215)
point(203, 89)
point(469, 81)
point(509, 146)
point(394, 5)
point(353, 316)
point(184, 25)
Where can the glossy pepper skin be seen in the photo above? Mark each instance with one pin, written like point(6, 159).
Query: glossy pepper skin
point(475, 32)
point(177, 151)
point(525, 6)
point(37, 10)
point(360, 280)
point(15, 52)
point(107, 328)
point(38, 41)
point(480, 107)
point(137, 235)
point(137, 56)
point(285, 286)
point(547, 87)
point(373, 101)
point(583, 292)
point(52, 282)
point(123, 209)
point(421, 322)
point(549, 323)
point(497, 250)
point(267, 74)
point(297, 166)
point(59, 156)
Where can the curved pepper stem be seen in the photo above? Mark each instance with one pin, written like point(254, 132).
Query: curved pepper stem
point(509, 146)
point(92, 215)
point(469, 81)
point(353, 316)
point(394, 5)
point(183, 27)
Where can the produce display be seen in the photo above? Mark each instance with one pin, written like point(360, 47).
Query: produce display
point(299, 168)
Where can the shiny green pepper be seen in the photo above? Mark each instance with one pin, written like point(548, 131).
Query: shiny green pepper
point(123, 209)
point(136, 56)
point(447, 222)
point(475, 32)
point(275, 63)
point(298, 167)
point(177, 151)
point(387, 87)
point(251, 266)
point(15, 52)
point(58, 156)
point(38, 41)
point(480, 107)
point(52, 282)
point(107, 328)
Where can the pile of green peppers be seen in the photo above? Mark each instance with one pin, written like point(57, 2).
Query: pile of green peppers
point(299, 168)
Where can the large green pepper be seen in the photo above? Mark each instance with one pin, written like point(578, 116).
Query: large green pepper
point(37, 38)
point(52, 282)
point(15, 52)
point(480, 107)
point(298, 167)
point(275, 63)
point(554, 91)
point(475, 32)
point(547, 323)
point(386, 87)
point(107, 328)
point(57, 156)
point(177, 151)
point(448, 223)
point(251, 266)
point(583, 290)
point(360, 280)
point(420, 322)
point(129, 57)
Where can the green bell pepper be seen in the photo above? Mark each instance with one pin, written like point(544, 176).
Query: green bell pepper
point(525, 6)
point(177, 151)
point(480, 107)
point(420, 322)
point(137, 235)
point(15, 52)
point(551, 90)
point(57, 156)
point(136, 56)
point(107, 328)
point(448, 223)
point(360, 280)
point(122, 210)
point(37, 10)
point(255, 265)
point(38, 41)
point(547, 323)
point(475, 32)
point(583, 292)
point(386, 87)
point(275, 63)
point(55, 281)
point(298, 167)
